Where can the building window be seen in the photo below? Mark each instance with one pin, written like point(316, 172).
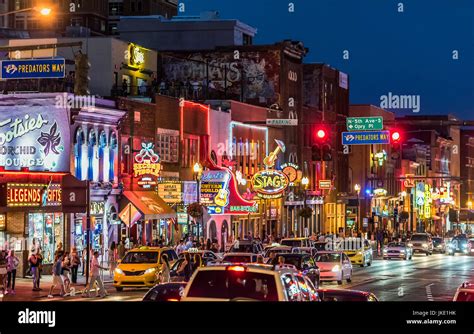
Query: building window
point(247, 39)
point(139, 6)
point(79, 141)
point(112, 155)
point(115, 8)
point(132, 6)
point(167, 145)
point(76, 21)
point(190, 152)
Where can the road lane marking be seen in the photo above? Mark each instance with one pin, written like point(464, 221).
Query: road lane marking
point(429, 294)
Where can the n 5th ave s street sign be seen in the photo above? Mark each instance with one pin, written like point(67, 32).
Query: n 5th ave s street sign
point(32, 68)
point(364, 123)
point(366, 137)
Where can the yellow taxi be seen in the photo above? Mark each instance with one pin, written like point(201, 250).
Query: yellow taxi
point(361, 255)
point(140, 267)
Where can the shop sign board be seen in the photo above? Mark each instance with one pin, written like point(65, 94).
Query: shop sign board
point(147, 167)
point(32, 68)
point(365, 137)
point(34, 134)
point(33, 195)
point(215, 190)
point(171, 191)
point(2, 221)
point(325, 184)
point(270, 183)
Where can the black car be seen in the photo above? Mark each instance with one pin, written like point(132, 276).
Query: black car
point(339, 295)
point(459, 244)
point(168, 292)
point(439, 246)
point(303, 262)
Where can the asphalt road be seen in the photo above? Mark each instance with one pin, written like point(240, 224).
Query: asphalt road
point(424, 278)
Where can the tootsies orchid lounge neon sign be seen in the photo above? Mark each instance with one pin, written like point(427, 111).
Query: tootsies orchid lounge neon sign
point(35, 137)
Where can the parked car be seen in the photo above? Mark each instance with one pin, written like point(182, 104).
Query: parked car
point(168, 292)
point(421, 243)
point(248, 282)
point(334, 266)
point(339, 295)
point(399, 250)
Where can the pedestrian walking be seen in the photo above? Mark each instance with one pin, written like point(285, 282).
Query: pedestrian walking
point(112, 258)
point(186, 267)
point(75, 263)
point(165, 269)
point(12, 265)
point(65, 270)
point(57, 273)
point(197, 262)
point(95, 277)
point(121, 250)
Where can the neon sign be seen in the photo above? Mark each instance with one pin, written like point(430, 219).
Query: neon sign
point(270, 183)
point(137, 56)
point(22, 195)
point(147, 165)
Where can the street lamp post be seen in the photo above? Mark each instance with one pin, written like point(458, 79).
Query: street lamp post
point(197, 169)
point(357, 190)
point(45, 11)
point(305, 182)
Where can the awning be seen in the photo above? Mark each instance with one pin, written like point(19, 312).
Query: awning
point(150, 205)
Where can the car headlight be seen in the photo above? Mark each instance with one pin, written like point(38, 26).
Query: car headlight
point(336, 268)
point(439, 246)
point(119, 271)
point(385, 250)
point(425, 245)
point(464, 246)
point(359, 253)
point(402, 251)
point(150, 271)
point(410, 244)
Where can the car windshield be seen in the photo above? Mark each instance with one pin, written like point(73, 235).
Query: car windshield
point(465, 296)
point(141, 257)
point(396, 244)
point(228, 284)
point(275, 251)
point(291, 243)
point(242, 248)
point(293, 260)
point(330, 257)
point(237, 258)
point(437, 241)
point(320, 246)
point(419, 237)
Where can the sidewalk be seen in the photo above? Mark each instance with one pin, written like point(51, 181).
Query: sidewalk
point(24, 288)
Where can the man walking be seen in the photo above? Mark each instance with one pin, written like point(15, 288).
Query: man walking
point(95, 277)
point(57, 280)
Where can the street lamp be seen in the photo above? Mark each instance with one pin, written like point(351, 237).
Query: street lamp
point(45, 11)
point(357, 190)
point(305, 183)
point(197, 169)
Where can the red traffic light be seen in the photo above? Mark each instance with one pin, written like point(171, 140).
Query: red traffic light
point(321, 134)
point(395, 136)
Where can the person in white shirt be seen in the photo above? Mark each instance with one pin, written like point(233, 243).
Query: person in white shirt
point(95, 277)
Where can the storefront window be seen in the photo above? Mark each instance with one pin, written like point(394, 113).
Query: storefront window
point(45, 231)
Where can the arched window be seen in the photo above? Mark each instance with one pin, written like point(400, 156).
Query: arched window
point(79, 140)
point(112, 155)
point(92, 142)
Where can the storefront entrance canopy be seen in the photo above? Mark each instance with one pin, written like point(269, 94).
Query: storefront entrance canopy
point(150, 205)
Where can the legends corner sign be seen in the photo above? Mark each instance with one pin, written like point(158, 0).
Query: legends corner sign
point(33, 68)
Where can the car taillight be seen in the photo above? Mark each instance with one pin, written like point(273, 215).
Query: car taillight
point(172, 300)
point(236, 268)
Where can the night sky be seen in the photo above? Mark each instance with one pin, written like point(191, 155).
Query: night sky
point(408, 53)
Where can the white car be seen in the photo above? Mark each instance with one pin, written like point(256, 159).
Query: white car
point(249, 282)
point(334, 266)
point(240, 258)
point(399, 250)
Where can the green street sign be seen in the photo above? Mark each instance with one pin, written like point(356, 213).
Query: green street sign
point(364, 123)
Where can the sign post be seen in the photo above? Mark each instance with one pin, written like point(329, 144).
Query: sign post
point(364, 123)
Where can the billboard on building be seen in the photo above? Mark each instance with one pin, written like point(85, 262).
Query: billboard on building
point(34, 135)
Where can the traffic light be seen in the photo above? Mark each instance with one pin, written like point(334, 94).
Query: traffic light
point(316, 153)
point(327, 152)
point(395, 136)
point(321, 134)
point(395, 139)
point(81, 79)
